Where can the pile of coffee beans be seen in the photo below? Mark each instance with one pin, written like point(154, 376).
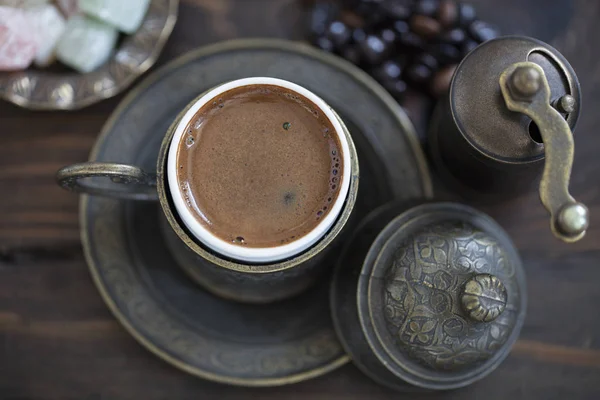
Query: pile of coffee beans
point(401, 43)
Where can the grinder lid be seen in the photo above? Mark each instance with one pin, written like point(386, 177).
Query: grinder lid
point(478, 107)
point(441, 296)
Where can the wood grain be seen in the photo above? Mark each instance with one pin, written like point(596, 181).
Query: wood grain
point(59, 342)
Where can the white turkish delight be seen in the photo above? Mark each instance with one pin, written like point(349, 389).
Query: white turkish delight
point(49, 25)
point(18, 44)
point(126, 15)
point(86, 43)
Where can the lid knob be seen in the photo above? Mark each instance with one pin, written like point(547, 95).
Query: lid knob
point(483, 298)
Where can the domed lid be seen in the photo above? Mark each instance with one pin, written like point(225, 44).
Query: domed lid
point(442, 295)
point(480, 112)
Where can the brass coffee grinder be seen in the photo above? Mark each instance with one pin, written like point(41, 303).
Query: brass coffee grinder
point(510, 113)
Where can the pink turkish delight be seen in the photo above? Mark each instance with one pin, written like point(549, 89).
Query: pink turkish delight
point(48, 24)
point(18, 42)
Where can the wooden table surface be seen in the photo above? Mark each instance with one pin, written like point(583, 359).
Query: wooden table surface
point(59, 341)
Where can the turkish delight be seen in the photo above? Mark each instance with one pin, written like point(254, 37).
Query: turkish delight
point(49, 25)
point(18, 44)
point(86, 43)
point(126, 15)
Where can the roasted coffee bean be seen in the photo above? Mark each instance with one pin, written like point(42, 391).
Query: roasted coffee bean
point(454, 36)
point(395, 9)
point(482, 31)
point(448, 13)
point(428, 8)
point(338, 33)
point(388, 35)
point(433, 35)
point(446, 53)
point(401, 27)
point(466, 14)
point(468, 46)
point(325, 44)
point(351, 53)
point(352, 19)
point(396, 87)
point(389, 70)
point(321, 15)
point(377, 20)
point(372, 13)
point(374, 49)
point(425, 27)
point(428, 60)
point(441, 80)
point(359, 35)
point(418, 73)
point(411, 41)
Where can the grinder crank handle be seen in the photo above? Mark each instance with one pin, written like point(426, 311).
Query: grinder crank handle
point(525, 89)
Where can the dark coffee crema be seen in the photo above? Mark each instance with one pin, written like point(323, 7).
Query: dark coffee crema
point(259, 166)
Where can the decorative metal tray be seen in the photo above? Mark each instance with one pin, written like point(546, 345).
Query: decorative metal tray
point(252, 345)
point(38, 89)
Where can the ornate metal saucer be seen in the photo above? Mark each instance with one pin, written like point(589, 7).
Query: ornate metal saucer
point(43, 90)
point(252, 345)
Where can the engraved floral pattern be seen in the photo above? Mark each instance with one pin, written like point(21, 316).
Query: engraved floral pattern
point(149, 318)
point(420, 330)
point(421, 296)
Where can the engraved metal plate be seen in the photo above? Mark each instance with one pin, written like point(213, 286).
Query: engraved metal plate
point(252, 345)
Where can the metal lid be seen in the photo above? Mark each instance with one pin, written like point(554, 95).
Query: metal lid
point(443, 299)
point(478, 107)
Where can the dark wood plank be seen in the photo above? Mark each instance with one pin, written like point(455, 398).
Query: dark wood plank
point(58, 340)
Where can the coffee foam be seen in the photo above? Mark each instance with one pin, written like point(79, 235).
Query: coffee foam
point(292, 196)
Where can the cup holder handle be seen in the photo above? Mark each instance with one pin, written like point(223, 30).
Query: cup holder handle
point(120, 181)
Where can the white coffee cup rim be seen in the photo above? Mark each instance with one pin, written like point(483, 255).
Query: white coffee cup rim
point(255, 254)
